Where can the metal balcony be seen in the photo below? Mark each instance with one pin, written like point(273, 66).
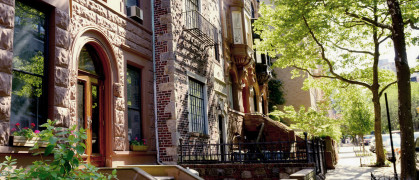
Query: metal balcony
point(200, 28)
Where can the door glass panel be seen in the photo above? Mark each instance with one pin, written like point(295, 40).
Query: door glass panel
point(80, 106)
point(86, 62)
point(95, 119)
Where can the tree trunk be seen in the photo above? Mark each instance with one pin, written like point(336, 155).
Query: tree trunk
point(408, 165)
point(363, 145)
point(379, 151)
point(377, 129)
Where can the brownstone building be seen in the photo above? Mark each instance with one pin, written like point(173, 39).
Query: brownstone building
point(187, 73)
point(83, 63)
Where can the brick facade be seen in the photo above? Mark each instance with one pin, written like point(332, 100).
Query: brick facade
point(177, 54)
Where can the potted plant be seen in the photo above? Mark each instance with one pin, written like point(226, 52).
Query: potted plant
point(26, 136)
point(138, 145)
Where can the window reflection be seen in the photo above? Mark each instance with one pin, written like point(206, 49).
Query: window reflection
point(28, 100)
point(134, 103)
point(86, 62)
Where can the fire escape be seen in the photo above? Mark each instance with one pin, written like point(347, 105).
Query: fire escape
point(200, 28)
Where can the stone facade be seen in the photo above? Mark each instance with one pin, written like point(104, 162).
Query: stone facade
point(118, 40)
point(232, 89)
point(6, 54)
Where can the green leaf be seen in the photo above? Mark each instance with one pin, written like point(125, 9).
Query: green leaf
point(62, 170)
point(48, 150)
point(62, 133)
point(80, 149)
point(69, 155)
point(53, 140)
point(76, 162)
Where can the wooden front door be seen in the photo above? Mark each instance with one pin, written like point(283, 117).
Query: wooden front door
point(90, 91)
point(90, 108)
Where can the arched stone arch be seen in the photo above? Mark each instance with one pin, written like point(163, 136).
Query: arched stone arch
point(95, 37)
point(113, 81)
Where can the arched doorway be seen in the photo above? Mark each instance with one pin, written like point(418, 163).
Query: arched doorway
point(90, 103)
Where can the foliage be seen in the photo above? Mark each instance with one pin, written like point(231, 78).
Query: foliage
point(66, 146)
point(276, 94)
point(392, 97)
point(307, 120)
point(356, 113)
point(333, 39)
point(26, 132)
point(137, 142)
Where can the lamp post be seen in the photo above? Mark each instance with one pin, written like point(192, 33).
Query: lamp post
point(393, 158)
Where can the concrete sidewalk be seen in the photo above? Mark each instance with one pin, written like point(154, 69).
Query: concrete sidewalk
point(348, 167)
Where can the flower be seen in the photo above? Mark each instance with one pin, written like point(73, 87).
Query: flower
point(13, 129)
point(136, 138)
point(17, 124)
point(32, 124)
point(37, 131)
point(25, 128)
point(144, 141)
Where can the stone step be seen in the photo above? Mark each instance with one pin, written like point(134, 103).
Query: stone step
point(164, 177)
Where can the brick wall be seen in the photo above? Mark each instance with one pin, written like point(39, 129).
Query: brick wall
point(179, 53)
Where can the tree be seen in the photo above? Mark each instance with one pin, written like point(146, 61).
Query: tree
point(307, 119)
point(343, 38)
point(357, 114)
point(276, 94)
point(397, 27)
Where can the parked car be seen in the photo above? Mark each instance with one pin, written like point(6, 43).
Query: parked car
point(367, 139)
point(387, 145)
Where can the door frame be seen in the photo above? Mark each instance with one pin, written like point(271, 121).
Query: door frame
point(108, 57)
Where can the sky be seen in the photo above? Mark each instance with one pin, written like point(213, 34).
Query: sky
point(412, 54)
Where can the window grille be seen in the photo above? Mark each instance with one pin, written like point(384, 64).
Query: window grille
point(197, 120)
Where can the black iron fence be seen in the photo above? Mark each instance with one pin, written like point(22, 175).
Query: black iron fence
point(305, 151)
point(200, 27)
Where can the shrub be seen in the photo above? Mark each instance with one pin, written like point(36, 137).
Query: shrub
point(66, 145)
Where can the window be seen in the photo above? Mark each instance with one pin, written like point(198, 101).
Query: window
point(29, 103)
point(134, 103)
point(192, 5)
point(192, 17)
point(197, 120)
point(129, 3)
point(237, 27)
point(217, 52)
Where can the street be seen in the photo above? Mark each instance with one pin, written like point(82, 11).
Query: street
point(348, 167)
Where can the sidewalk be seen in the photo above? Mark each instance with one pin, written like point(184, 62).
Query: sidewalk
point(348, 167)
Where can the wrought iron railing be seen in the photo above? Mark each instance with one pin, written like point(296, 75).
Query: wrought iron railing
point(200, 28)
point(263, 73)
point(306, 151)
